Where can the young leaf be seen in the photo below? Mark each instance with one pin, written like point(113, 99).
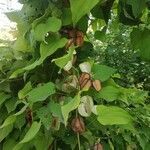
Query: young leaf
point(77, 12)
point(41, 93)
point(102, 72)
point(112, 115)
point(70, 106)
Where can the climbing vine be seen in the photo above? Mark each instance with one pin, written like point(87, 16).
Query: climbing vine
point(55, 95)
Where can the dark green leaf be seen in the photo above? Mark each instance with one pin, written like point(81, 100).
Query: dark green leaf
point(76, 10)
point(102, 72)
point(5, 131)
point(140, 40)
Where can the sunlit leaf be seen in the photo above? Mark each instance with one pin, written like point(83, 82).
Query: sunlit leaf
point(62, 61)
point(112, 115)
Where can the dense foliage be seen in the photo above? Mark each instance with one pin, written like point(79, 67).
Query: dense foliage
point(63, 87)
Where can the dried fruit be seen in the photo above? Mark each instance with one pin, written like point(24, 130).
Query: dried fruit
point(97, 85)
point(77, 125)
point(84, 76)
point(86, 84)
point(79, 38)
point(85, 67)
point(85, 81)
point(98, 146)
point(29, 116)
point(86, 106)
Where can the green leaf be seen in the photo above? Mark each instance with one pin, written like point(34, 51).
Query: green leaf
point(10, 120)
point(10, 104)
point(22, 93)
point(55, 109)
point(66, 16)
point(77, 12)
point(34, 129)
point(140, 40)
point(32, 132)
point(102, 72)
point(20, 121)
point(3, 97)
point(62, 61)
point(9, 144)
point(52, 24)
point(21, 45)
point(41, 93)
point(4, 132)
point(44, 114)
point(100, 34)
point(41, 142)
point(109, 93)
point(45, 50)
point(112, 115)
point(137, 7)
point(70, 106)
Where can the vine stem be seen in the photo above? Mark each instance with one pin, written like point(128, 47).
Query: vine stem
point(79, 144)
point(78, 135)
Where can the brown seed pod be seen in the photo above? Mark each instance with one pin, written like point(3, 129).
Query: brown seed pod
point(69, 43)
point(83, 77)
point(86, 84)
point(97, 85)
point(98, 146)
point(74, 59)
point(79, 38)
point(77, 125)
point(29, 116)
